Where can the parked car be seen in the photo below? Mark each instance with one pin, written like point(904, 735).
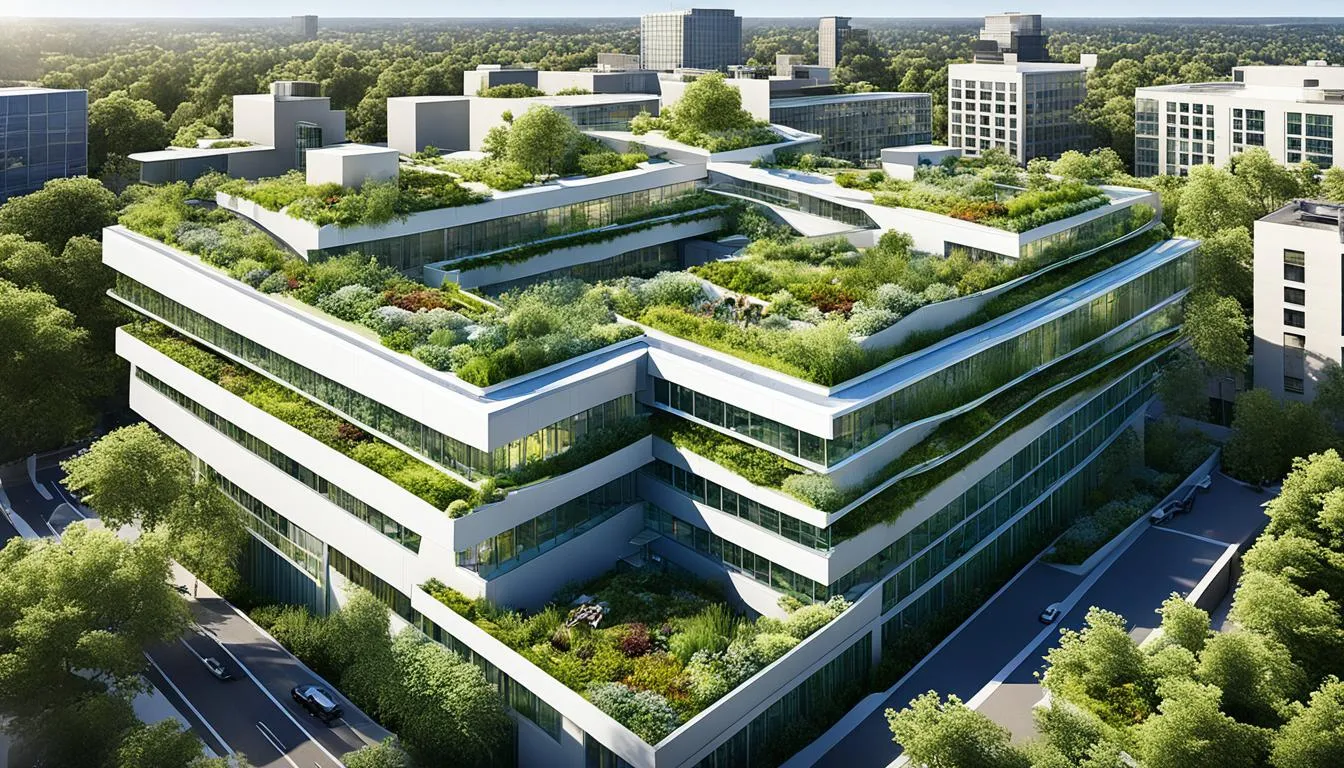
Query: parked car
point(1162, 514)
point(1050, 614)
point(318, 701)
point(217, 669)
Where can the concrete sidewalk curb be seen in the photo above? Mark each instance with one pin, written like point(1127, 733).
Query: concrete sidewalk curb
point(25, 530)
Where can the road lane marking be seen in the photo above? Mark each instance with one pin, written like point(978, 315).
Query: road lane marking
point(275, 742)
point(268, 695)
point(1193, 536)
point(193, 708)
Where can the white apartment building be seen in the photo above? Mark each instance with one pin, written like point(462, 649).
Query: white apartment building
point(1299, 317)
point(1291, 111)
point(1075, 367)
point(1025, 108)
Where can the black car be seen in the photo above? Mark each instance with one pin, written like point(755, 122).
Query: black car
point(318, 701)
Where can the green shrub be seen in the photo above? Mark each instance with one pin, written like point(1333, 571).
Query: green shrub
point(509, 91)
point(646, 713)
point(815, 489)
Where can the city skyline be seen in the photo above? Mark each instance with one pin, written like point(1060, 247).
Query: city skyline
point(864, 9)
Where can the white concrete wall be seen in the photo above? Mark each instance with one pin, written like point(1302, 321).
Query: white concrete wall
point(1324, 332)
point(415, 122)
point(350, 166)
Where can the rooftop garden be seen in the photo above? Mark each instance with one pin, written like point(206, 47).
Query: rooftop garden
point(667, 645)
point(962, 438)
point(445, 328)
point(804, 305)
point(996, 196)
point(374, 203)
point(431, 485)
point(709, 116)
point(539, 144)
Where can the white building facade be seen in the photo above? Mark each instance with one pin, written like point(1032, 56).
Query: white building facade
point(1026, 109)
point(1299, 315)
point(1290, 111)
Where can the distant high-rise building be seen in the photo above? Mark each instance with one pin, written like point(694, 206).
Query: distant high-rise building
point(1028, 109)
point(44, 136)
point(1016, 33)
point(305, 26)
point(831, 36)
point(696, 38)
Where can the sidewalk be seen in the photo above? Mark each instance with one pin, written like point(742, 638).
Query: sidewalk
point(274, 667)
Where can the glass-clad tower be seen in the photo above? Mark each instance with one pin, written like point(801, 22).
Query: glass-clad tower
point(44, 135)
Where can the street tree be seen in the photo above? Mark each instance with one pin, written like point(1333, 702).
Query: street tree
point(1213, 200)
point(1257, 446)
point(47, 382)
point(75, 618)
point(1189, 731)
point(60, 210)
point(1255, 674)
point(75, 277)
point(368, 671)
point(952, 735)
point(1314, 738)
point(131, 475)
point(1330, 391)
point(1216, 326)
point(208, 535)
point(1184, 624)
point(1309, 625)
point(1332, 184)
point(1224, 265)
point(164, 744)
point(1269, 185)
point(1182, 386)
point(1102, 668)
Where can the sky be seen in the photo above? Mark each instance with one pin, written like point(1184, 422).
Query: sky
point(573, 8)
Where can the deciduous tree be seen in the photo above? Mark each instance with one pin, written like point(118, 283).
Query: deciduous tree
point(952, 735)
point(131, 475)
point(62, 209)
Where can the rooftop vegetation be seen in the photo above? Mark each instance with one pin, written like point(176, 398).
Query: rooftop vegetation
point(431, 485)
point(965, 438)
point(709, 116)
point(1005, 198)
point(667, 647)
point(816, 299)
point(509, 91)
point(445, 328)
point(538, 144)
point(374, 203)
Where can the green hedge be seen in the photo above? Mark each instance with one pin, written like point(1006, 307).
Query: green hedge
point(756, 465)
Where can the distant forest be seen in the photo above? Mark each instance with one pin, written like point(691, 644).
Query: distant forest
point(188, 70)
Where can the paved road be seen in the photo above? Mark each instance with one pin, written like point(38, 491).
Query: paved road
point(239, 711)
point(1159, 562)
point(252, 714)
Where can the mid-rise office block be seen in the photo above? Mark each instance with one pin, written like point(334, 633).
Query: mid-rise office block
point(1299, 309)
point(697, 38)
point(614, 77)
point(1026, 109)
point(1016, 36)
point(632, 446)
point(832, 32)
point(272, 133)
point(1290, 111)
point(44, 135)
